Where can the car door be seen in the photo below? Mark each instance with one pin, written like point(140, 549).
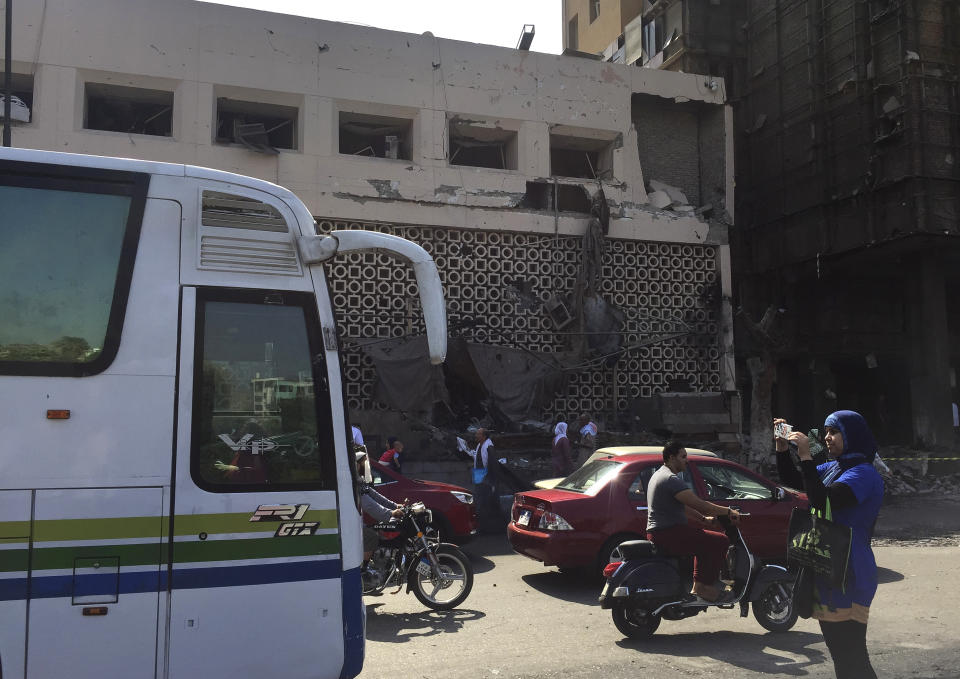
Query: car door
point(729, 485)
point(637, 493)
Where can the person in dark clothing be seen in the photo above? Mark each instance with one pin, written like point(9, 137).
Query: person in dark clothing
point(855, 491)
point(670, 506)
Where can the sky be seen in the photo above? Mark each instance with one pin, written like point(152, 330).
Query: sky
point(492, 22)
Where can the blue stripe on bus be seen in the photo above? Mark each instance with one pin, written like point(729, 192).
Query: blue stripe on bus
point(354, 621)
point(50, 586)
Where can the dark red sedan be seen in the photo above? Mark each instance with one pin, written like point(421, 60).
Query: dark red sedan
point(580, 521)
point(454, 511)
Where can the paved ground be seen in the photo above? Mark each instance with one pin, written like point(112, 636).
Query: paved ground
point(523, 620)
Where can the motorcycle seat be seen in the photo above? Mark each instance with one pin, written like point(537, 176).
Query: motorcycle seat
point(638, 549)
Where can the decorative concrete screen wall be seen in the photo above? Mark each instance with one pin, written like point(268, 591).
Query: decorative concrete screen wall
point(496, 284)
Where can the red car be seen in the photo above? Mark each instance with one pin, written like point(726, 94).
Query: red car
point(454, 511)
point(580, 521)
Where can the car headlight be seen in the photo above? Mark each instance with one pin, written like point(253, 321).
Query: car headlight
point(551, 521)
point(465, 498)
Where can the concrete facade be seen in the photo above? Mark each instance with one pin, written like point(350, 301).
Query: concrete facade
point(539, 106)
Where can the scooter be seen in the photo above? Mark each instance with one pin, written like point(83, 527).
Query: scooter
point(642, 587)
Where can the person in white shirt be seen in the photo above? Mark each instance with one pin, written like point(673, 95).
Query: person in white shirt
point(586, 438)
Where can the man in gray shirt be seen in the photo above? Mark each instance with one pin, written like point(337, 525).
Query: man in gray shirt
point(670, 505)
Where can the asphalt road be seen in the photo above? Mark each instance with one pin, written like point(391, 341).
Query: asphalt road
point(523, 620)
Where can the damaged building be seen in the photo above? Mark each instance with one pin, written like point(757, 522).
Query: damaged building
point(578, 211)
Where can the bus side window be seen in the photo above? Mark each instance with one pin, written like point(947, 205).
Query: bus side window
point(261, 408)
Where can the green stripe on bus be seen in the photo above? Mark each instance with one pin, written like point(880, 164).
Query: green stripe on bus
point(12, 560)
point(49, 558)
point(257, 548)
point(14, 529)
point(114, 528)
point(118, 528)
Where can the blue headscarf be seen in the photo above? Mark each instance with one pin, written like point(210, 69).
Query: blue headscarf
point(859, 446)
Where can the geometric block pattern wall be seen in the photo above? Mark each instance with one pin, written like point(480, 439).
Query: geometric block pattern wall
point(495, 284)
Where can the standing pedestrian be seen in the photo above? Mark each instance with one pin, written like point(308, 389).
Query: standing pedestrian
point(854, 490)
point(560, 452)
point(586, 438)
point(484, 482)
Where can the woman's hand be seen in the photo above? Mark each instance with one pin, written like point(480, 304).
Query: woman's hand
point(803, 444)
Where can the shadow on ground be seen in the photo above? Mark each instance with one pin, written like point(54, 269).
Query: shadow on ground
point(401, 627)
point(786, 654)
point(574, 587)
point(885, 575)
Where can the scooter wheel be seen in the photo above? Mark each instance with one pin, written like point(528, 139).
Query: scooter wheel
point(635, 622)
point(774, 610)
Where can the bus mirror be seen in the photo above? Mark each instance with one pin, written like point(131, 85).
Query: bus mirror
point(318, 249)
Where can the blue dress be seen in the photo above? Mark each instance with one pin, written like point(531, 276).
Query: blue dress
point(853, 603)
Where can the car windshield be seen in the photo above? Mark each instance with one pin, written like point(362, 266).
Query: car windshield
point(591, 477)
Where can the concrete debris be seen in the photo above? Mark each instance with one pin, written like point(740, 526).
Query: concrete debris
point(659, 199)
point(683, 208)
point(677, 196)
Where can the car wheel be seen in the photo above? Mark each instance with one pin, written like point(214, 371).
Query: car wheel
point(610, 548)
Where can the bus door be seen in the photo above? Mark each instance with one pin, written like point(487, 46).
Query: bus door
point(256, 557)
point(93, 596)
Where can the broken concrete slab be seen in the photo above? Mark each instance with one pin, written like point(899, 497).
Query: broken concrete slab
point(676, 195)
point(659, 199)
point(682, 208)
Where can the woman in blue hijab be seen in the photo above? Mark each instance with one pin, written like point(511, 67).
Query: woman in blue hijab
point(855, 490)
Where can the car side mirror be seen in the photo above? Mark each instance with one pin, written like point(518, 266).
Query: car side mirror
point(779, 493)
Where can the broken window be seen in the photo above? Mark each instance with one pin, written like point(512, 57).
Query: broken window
point(21, 100)
point(258, 126)
point(134, 110)
point(568, 197)
point(376, 136)
point(479, 144)
point(580, 157)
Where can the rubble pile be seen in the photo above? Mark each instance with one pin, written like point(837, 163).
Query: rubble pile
point(921, 472)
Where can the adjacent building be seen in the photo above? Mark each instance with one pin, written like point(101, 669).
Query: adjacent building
point(847, 187)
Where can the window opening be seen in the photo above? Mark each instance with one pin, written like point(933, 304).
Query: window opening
point(133, 110)
point(21, 99)
point(580, 157)
point(594, 10)
point(261, 405)
point(260, 127)
point(482, 145)
point(572, 31)
point(376, 136)
point(69, 246)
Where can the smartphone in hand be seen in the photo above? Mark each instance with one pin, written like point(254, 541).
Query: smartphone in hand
point(782, 430)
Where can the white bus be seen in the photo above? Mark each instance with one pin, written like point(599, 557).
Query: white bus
point(177, 491)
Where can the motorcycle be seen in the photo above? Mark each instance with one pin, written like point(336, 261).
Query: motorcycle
point(439, 574)
point(642, 587)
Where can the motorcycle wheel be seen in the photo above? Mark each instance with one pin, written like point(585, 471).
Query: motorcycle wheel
point(635, 622)
point(774, 610)
point(454, 585)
